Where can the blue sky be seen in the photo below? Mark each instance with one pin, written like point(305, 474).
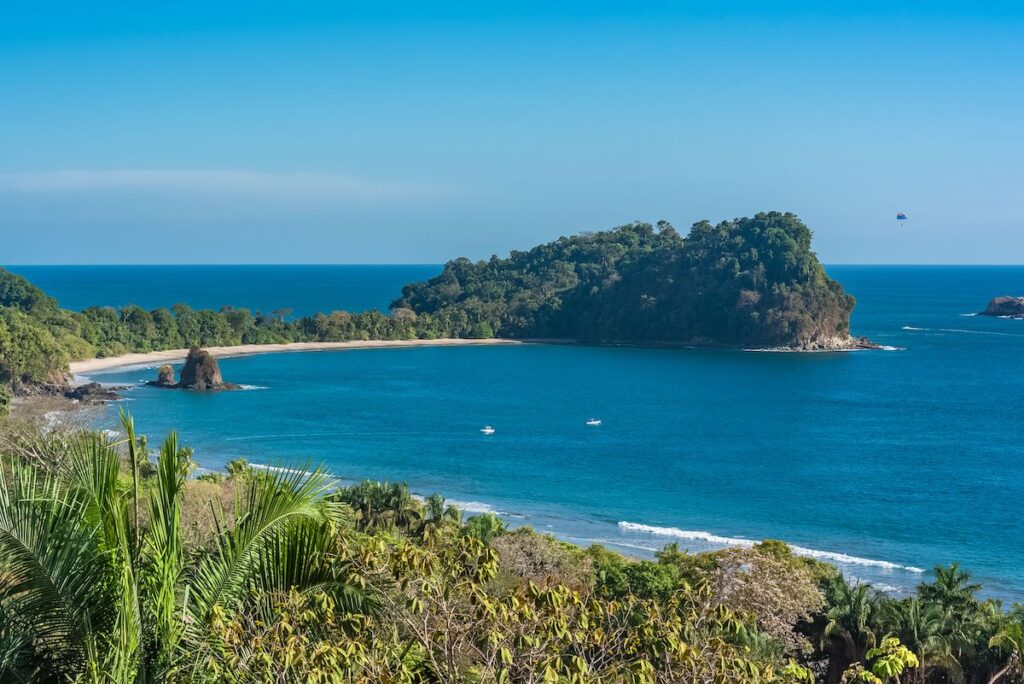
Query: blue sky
point(414, 132)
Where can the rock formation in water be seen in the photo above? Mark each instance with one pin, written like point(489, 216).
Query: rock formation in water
point(164, 377)
point(200, 372)
point(1010, 307)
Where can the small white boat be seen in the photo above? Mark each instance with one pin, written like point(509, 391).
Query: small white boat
point(593, 422)
point(487, 430)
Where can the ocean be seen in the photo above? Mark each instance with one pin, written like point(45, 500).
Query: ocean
point(883, 462)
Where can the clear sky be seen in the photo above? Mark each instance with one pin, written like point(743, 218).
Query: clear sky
point(188, 132)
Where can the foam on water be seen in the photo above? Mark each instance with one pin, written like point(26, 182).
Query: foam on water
point(700, 535)
point(961, 330)
point(474, 507)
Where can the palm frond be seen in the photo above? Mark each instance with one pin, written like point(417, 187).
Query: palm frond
point(273, 500)
point(50, 564)
point(163, 555)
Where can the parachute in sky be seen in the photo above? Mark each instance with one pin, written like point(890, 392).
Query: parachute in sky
point(901, 216)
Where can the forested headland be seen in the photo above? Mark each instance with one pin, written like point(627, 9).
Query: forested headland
point(746, 282)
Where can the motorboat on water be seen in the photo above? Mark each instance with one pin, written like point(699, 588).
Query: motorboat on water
point(487, 430)
point(593, 422)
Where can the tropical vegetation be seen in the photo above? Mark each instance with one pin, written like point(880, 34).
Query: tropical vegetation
point(749, 281)
point(122, 563)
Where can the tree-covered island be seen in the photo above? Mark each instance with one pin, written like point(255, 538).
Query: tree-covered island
point(749, 282)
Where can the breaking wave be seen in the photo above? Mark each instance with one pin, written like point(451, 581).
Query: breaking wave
point(708, 537)
point(474, 507)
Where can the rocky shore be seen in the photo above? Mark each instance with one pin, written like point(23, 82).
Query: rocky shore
point(827, 344)
point(87, 393)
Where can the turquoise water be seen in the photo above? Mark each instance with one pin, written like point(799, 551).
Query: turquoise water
point(887, 462)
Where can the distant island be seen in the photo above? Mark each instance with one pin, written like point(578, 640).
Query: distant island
point(1005, 307)
point(749, 282)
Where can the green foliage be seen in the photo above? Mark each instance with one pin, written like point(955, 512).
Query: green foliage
point(485, 527)
point(238, 467)
point(482, 330)
point(383, 505)
point(29, 353)
point(750, 281)
point(18, 293)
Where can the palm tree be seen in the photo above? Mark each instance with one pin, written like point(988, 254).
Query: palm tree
point(925, 629)
point(79, 599)
point(952, 589)
point(382, 504)
point(436, 513)
point(403, 509)
point(369, 501)
point(1010, 640)
point(849, 632)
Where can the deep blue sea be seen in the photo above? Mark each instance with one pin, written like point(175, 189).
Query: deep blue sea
point(305, 289)
point(885, 462)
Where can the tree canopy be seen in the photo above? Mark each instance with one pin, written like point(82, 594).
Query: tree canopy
point(749, 281)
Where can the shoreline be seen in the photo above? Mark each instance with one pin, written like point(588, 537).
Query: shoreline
point(86, 366)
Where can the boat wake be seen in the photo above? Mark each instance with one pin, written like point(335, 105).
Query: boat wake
point(708, 537)
point(959, 330)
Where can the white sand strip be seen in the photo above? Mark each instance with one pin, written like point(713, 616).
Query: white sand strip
point(172, 355)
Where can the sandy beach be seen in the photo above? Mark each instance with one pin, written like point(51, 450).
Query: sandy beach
point(172, 355)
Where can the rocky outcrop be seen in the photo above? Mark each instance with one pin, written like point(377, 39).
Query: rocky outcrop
point(91, 393)
point(165, 376)
point(829, 344)
point(1007, 307)
point(200, 372)
point(837, 344)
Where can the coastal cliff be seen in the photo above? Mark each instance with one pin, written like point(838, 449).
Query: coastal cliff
point(749, 282)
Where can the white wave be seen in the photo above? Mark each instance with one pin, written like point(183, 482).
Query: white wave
point(474, 507)
point(889, 347)
point(700, 535)
point(910, 327)
point(969, 314)
point(279, 469)
point(887, 588)
point(252, 387)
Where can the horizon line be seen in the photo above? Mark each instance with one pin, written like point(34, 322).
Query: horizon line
point(425, 263)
